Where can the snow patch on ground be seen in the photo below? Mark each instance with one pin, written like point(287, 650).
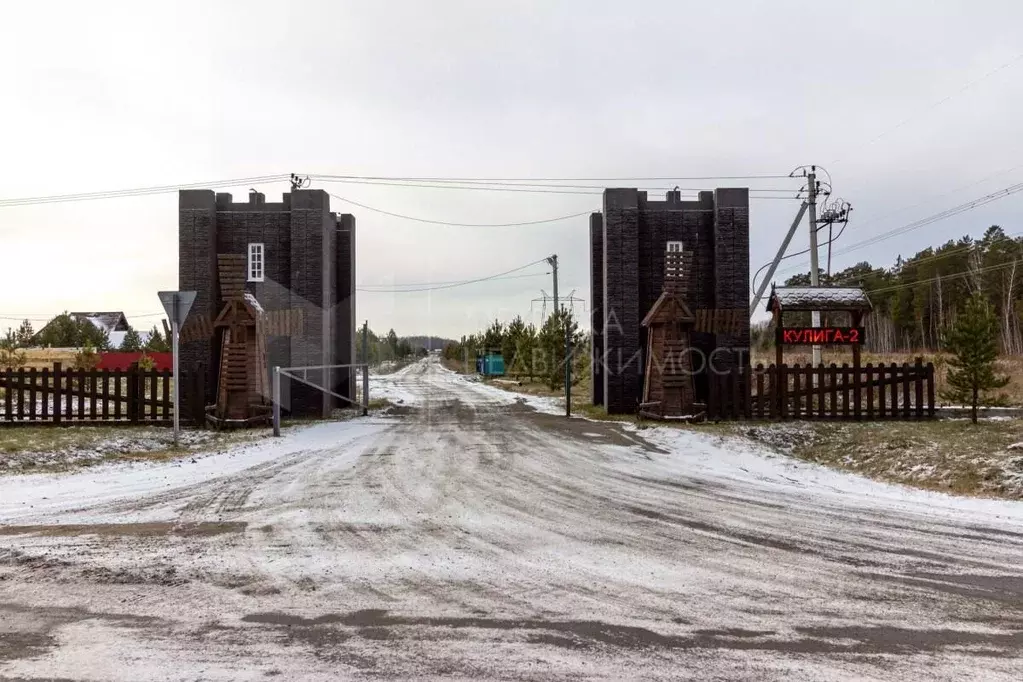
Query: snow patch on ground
point(543, 404)
point(35, 495)
point(393, 386)
point(737, 460)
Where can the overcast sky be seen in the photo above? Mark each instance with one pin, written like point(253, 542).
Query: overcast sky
point(110, 95)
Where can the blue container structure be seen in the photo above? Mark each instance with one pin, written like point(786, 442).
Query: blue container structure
point(490, 364)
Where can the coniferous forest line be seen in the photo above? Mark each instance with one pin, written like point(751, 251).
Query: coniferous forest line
point(918, 297)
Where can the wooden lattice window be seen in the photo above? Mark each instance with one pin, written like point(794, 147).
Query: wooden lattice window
point(256, 262)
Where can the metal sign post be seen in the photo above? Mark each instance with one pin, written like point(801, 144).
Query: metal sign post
point(277, 401)
point(176, 304)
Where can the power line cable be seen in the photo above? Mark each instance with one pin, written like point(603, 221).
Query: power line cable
point(454, 224)
point(923, 222)
point(965, 273)
point(911, 206)
point(399, 287)
point(941, 101)
point(462, 283)
point(138, 191)
point(499, 186)
point(532, 187)
point(673, 178)
point(938, 256)
point(766, 265)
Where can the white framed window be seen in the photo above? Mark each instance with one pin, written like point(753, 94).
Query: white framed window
point(256, 262)
point(674, 247)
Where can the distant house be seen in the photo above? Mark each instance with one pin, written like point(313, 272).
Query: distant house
point(115, 324)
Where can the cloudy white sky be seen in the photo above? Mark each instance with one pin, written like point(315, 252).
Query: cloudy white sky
point(109, 95)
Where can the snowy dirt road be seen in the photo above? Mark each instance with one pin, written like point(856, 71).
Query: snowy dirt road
point(470, 536)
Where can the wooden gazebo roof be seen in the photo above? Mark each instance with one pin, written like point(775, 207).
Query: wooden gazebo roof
point(853, 299)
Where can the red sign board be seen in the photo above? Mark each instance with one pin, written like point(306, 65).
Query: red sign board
point(820, 336)
point(123, 361)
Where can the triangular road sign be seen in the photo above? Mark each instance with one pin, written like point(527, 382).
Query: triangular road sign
point(177, 304)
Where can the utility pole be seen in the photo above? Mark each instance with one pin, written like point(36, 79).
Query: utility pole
point(568, 367)
point(777, 259)
point(365, 370)
point(553, 262)
point(811, 204)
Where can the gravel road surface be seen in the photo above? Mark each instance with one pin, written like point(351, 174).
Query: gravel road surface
point(470, 536)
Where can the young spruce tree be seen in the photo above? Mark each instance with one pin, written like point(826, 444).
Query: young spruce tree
point(973, 342)
point(132, 341)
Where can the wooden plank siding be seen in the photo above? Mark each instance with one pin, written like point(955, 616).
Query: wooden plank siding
point(782, 392)
point(61, 396)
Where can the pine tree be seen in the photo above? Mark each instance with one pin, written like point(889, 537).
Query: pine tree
point(392, 344)
point(86, 358)
point(10, 356)
point(156, 343)
point(132, 342)
point(973, 342)
point(510, 344)
point(24, 335)
point(551, 343)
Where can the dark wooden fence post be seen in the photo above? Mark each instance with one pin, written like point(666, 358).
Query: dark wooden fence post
point(930, 390)
point(83, 386)
point(845, 390)
point(117, 375)
point(57, 392)
point(8, 394)
point(168, 408)
point(32, 374)
point(93, 390)
point(105, 396)
point(44, 389)
point(21, 393)
point(783, 391)
point(760, 391)
point(918, 381)
point(857, 390)
point(154, 395)
point(822, 383)
point(69, 394)
point(893, 409)
point(907, 401)
point(797, 373)
point(870, 390)
point(133, 394)
point(747, 391)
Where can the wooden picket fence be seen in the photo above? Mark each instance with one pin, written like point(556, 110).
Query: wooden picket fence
point(781, 392)
point(73, 396)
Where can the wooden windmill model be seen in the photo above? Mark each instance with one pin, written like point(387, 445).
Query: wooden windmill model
point(668, 381)
point(242, 378)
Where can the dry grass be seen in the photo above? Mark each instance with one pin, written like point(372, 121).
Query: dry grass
point(30, 449)
point(953, 456)
point(40, 358)
point(1012, 366)
point(458, 366)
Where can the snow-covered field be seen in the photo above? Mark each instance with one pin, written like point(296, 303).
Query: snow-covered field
point(475, 537)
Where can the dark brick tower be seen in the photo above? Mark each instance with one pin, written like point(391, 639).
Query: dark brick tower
point(627, 247)
point(307, 263)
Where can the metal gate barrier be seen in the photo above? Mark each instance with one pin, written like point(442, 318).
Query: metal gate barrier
point(293, 373)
